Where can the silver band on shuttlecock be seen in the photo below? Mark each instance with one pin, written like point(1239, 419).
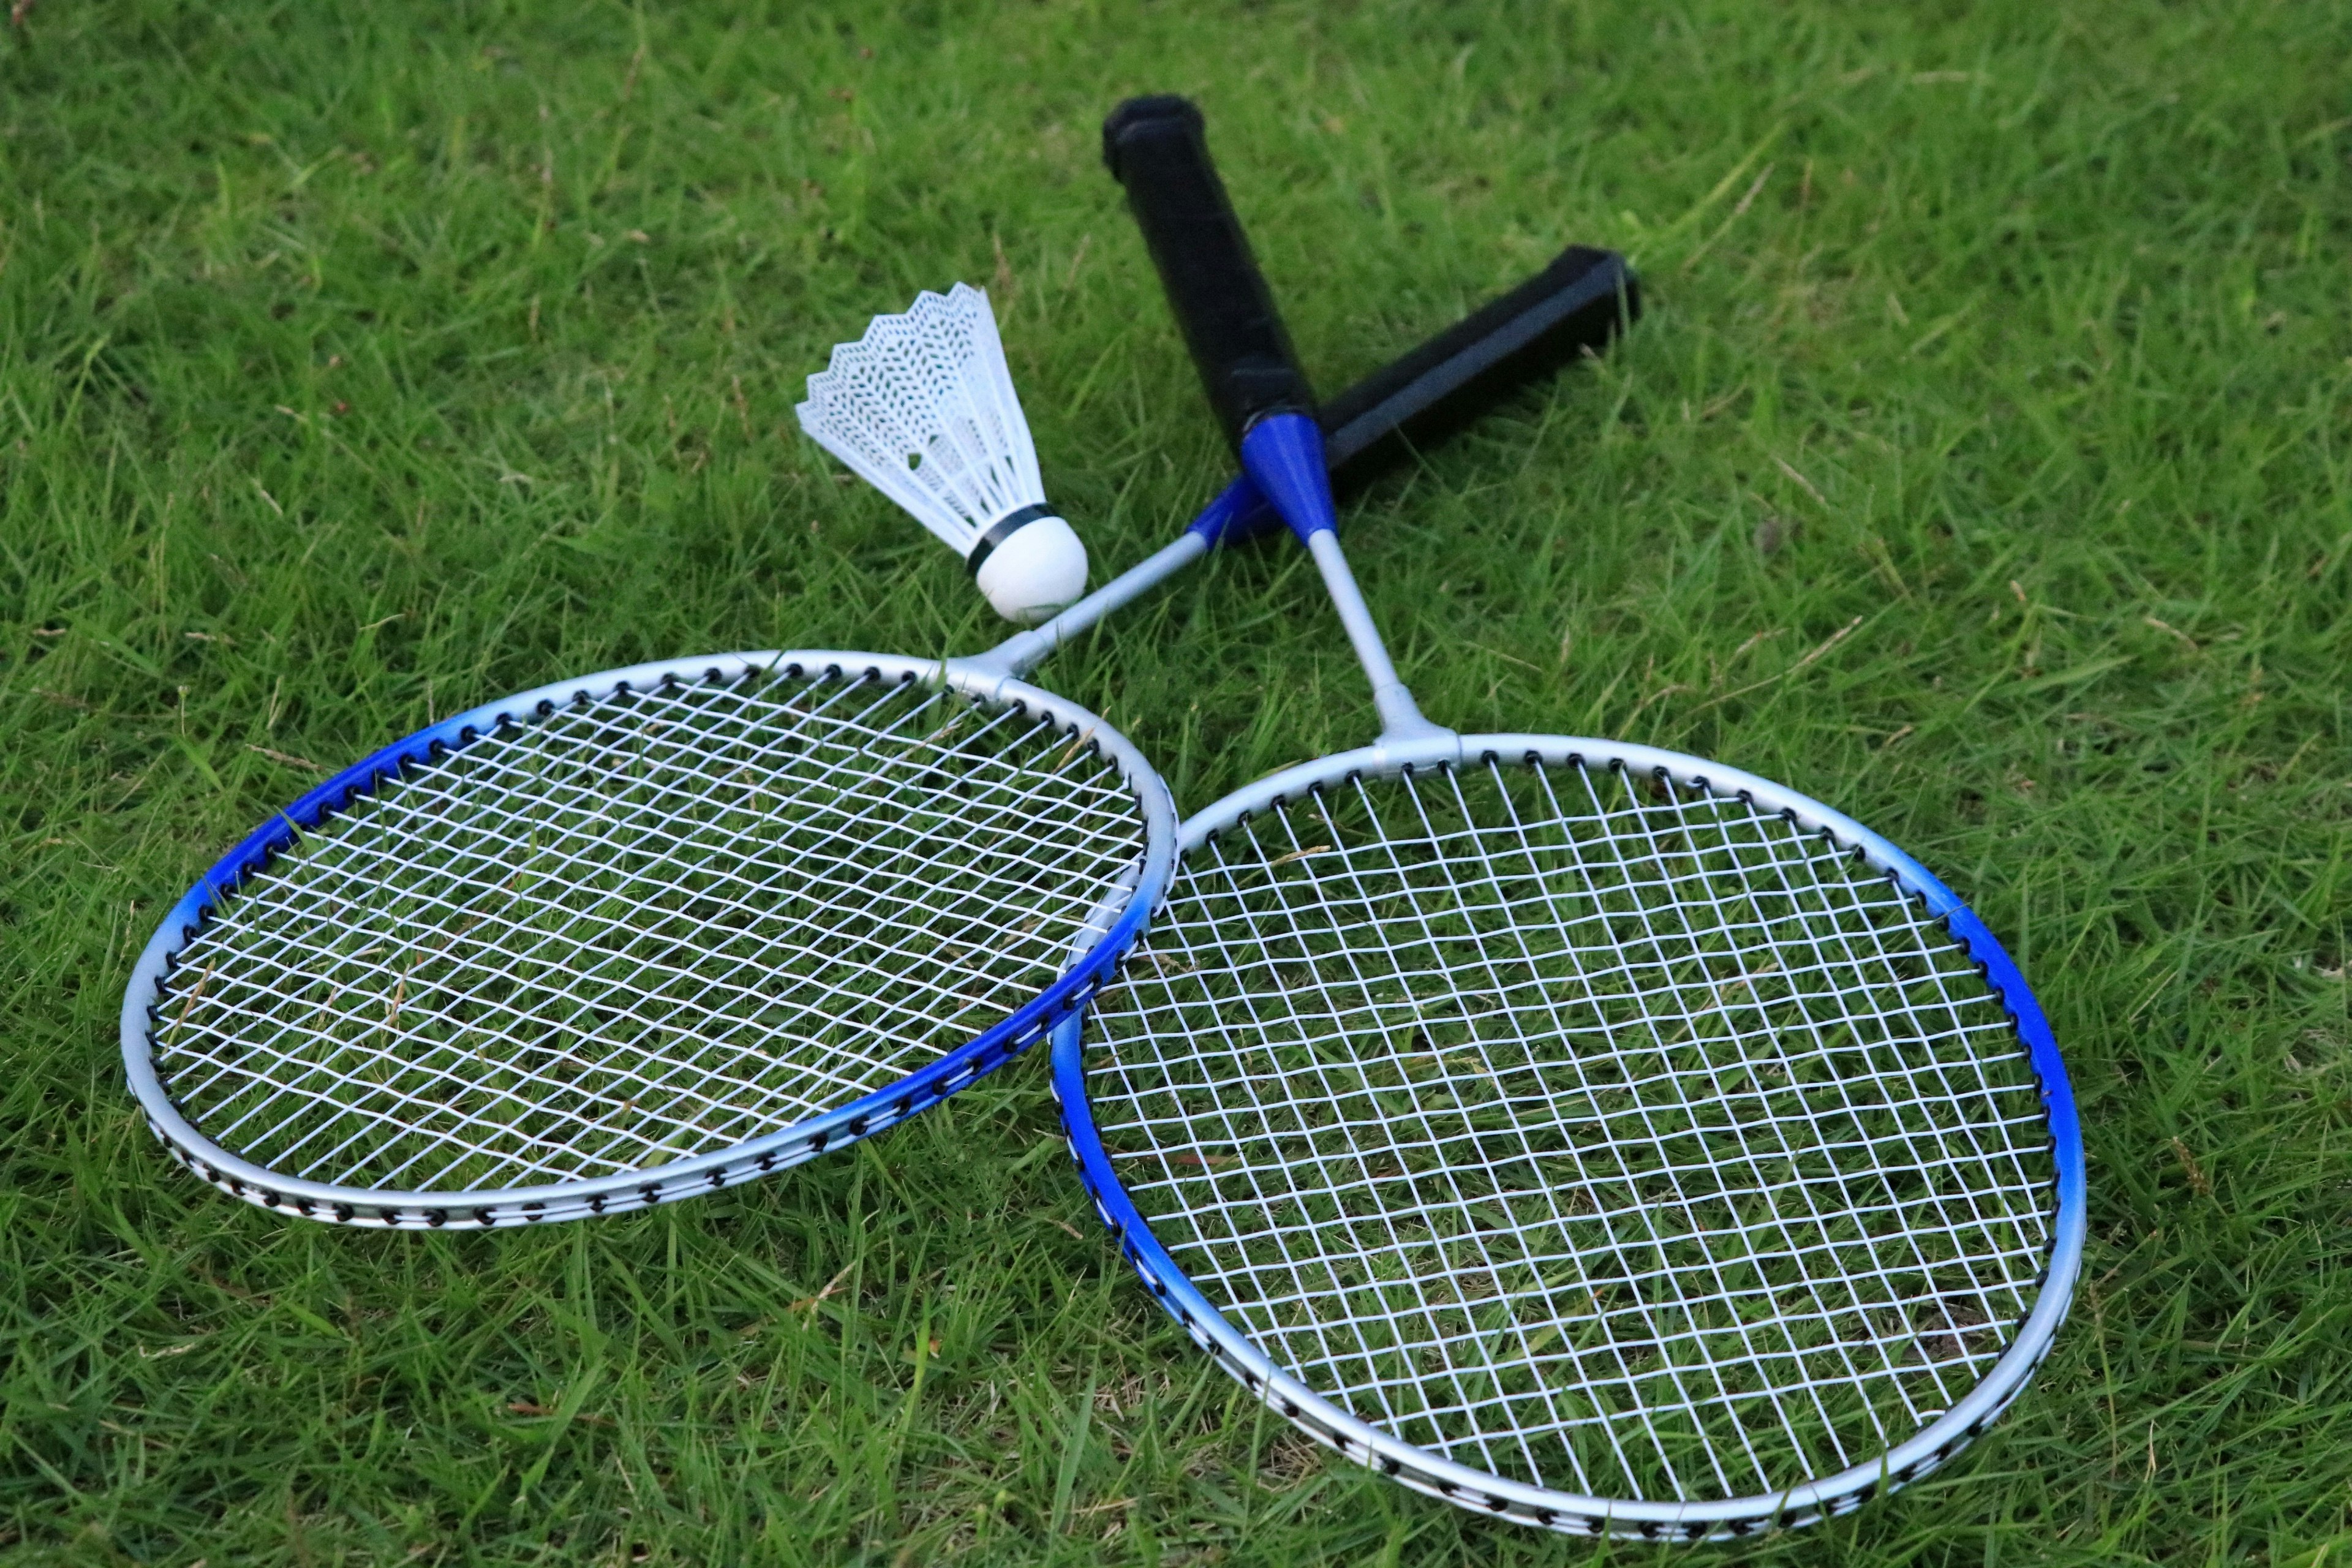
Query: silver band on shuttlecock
point(1002, 528)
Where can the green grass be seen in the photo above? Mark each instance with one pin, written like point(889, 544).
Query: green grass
point(1982, 469)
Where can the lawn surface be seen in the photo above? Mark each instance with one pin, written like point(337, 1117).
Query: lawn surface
point(1981, 468)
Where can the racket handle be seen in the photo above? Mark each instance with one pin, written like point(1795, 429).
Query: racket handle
point(1156, 147)
point(1575, 306)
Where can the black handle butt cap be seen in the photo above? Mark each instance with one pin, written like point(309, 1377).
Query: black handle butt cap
point(1152, 108)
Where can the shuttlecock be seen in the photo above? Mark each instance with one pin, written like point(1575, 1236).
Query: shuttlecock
point(923, 407)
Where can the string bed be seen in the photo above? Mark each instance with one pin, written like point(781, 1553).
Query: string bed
point(1598, 1132)
point(639, 928)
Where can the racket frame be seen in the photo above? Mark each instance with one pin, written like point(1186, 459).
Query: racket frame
point(1157, 148)
point(623, 1191)
point(1465, 1486)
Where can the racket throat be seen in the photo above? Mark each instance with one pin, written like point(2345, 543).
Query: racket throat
point(1283, 455)
point(1400, 716)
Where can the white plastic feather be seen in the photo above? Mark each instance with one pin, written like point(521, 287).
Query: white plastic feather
point(923, 407)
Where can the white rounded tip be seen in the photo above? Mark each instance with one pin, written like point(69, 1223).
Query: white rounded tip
point(1039, 572)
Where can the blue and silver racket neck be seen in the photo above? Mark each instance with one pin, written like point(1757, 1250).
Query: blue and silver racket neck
point(1281, 454)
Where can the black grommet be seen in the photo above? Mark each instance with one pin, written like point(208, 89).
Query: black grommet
point(482, 1216)
point(344, 1213)
point(436, 1218)
point(650, 1192)
point(596, 1204)
point(816, 1141)
point(858, 1126)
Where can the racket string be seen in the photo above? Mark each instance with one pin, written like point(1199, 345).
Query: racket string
point(565, 864)
point(1853, 1302)
point(1555, 1419)
point(1673, 1197)
point(639, 929)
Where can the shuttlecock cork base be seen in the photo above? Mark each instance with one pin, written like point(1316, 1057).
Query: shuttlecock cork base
point(1029, 567)
point(923, 407)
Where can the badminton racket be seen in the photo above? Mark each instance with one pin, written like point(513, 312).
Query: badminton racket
point(1592, 1136)
point(665, 928)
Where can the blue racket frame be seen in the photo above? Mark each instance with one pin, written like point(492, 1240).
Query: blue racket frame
point(620, 1193)
point(1358, 1439)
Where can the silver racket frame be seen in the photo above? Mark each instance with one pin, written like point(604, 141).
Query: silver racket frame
point(1569, 1512)
point(1121, 921)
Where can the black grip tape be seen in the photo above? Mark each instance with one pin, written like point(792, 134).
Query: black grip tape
point(1156, 147)
point(1573, 307)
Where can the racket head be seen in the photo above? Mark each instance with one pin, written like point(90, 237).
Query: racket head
point(612, 868)
point(1277, 1277)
